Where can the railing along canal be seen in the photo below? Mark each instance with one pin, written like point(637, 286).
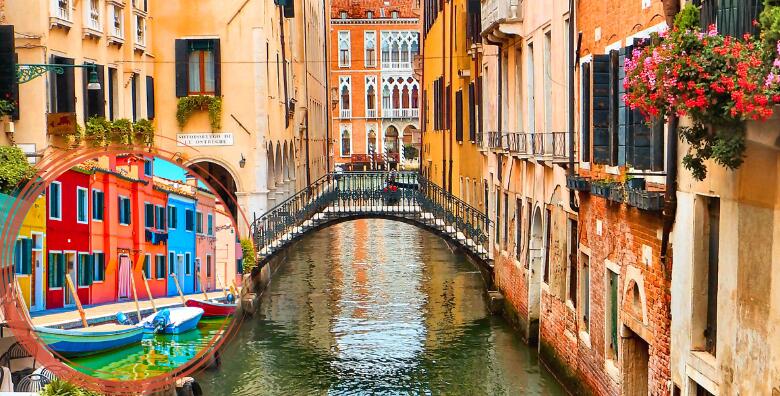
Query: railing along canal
point(406, 195)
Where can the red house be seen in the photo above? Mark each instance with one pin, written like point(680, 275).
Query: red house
point(68, 223)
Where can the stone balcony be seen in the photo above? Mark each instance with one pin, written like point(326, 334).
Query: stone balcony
point(501, 19)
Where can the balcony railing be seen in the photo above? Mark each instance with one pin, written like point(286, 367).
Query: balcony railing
point(345, 113)
point(550, 146)
point(400, 113)
point(544, 146)
point(481, 140)
point(371, 113)
point(495, 140)
point(396, 65)
point(496, 13)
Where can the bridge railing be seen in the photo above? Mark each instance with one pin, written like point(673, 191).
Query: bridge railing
point(401, 194)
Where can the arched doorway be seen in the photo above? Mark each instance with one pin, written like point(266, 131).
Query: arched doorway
point(218, 176)
point(535, 257)
point(392, 146)
point(371, 142)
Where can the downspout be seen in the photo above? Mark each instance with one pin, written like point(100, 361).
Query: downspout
point(573, 54)
point(326, 66)
point(284, 68)
point(306, 95)
point(452, 88)
point(444, 89)
point(670, 203)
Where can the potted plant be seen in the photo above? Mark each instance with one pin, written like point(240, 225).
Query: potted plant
point(617, 193)
point(189, 105)
point(646, 200)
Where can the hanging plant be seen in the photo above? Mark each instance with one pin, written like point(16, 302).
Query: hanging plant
point(144, 132)
point(189, 105)
point(6, 107)
point(718, 82)
point(14, 168)
point(121, 132)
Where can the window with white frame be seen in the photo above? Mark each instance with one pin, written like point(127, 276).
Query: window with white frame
point(369, 39)
point(371, 98)
point(345, 52)
point(345, 96)
point(140, 30)
point(93, 15)
point(116, 20)
point(343, 14)
point(399, 48)
point(395, 14)
point(55, 201)
point(61, 9)
point(400, 96)
point(346, 140)
point(369, 14)
point(82, 205)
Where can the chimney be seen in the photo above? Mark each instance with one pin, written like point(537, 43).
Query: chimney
point(191, 180)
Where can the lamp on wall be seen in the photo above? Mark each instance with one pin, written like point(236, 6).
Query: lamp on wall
point(94, 82)
point(242, 161)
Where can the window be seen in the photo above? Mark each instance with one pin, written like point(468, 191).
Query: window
point(116, 18)
point(61, 9)
point(531, 88)
point(705, 274)
point(97, 205)
point(55, 201)
point(171, 217)
point(399, 48)
point(459, 118)
point(189, 220)
point(585, 105)
point(23, 256)
point(172, 262)
point(199, 222)
point(84, 274)
point(345, 101)
point(124, 210)
point(140, 30)
point(147, 266)
point(547, 235)
point(147, 167)
point(548, 112)
point(160, 266)
point(56, 270)
point(369, 40)
point(346, 142)
point(371, 97)
point(93, 15)
point(394, 14)
point(187, 264)
point(732, 17)
point(343, 14)
point(210, 224)
point(82, 205)
point(99, 264)
point(94, 100)
point(369, 14)
point(149, 215)
point(134, 87)
point(585, 293)
point(150, 99)
point(208, 266)
point(612, 316)
point(63, 87)
point(198, 67)
point(498, 217)
point(573, 244)
point(159, 217)
point(345, 57)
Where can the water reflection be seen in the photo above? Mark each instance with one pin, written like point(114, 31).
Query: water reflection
point(376, 307)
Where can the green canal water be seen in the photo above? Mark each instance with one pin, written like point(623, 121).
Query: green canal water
point(375, 307)
point(155, 355)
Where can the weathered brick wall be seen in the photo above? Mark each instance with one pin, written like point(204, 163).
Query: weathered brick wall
point(358, 8)
point(511, 281)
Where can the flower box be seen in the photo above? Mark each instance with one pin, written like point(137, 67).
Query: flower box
point(617, 194)
point(578, 183)
point(636, 184)
point(600, 189)
point(646, 200)
point(391, 195)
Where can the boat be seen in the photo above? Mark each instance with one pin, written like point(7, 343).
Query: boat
point(89, 341)
point(172, 320)
point(213, 309)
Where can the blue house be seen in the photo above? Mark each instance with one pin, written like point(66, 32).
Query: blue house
point(181, 243)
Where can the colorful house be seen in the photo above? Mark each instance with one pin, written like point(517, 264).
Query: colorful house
point(68, 238)
point(28, 250)
point(206, 240)
point(181, 235)
point(153, 234)
point(229, 253)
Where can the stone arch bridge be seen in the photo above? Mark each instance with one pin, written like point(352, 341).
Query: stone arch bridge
point(403, 196)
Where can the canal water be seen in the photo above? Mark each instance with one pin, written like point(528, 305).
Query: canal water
point(376, 307)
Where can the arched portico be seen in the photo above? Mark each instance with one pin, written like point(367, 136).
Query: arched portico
point(222, 179)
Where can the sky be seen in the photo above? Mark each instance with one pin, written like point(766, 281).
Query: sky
point(171, 171)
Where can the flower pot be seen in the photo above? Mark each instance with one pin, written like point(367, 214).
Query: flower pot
point(646, 200)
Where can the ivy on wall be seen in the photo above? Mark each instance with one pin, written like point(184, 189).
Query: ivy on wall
point(189, 105)
point(14, 168)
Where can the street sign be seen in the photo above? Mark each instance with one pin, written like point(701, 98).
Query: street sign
point(204, 139)
point(58, 124)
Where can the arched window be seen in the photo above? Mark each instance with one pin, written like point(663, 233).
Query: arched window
point(404, 52)
point(391, 139)
point(396, 98)
point(395, 52)
point(345, 98)
point(386, 102)
point(346, 143)
point(371, 98)
point(405, 98)
point(415, 98)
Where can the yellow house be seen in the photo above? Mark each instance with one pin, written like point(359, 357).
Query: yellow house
point(29, 258)
point(451, 153)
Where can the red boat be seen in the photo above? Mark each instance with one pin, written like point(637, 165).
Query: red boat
point(212, 309)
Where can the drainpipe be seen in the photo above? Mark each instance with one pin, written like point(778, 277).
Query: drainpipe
point(326, 65)
point(306, 96)
point(443, 74)
point(573, 54)
point(670, 203)
point(452, 88)
point(284, 68)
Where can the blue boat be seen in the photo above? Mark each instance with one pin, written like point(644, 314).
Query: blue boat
point(89, 341)
point(172, 320)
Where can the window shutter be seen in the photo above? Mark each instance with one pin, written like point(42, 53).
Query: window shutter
point(51, 272)
point(624, 111)
point(90, 275)
point(9, 88)
point(472, 114)
point(458, 116)
point(218, 67)
point(27, 245)
point(182, 47)
point(60, 270)
point(448, 107)
point(150, 97)
point(18, 256)
point(601, 109)
point(586, 106)
point(65, 89)
point(120, 208)
point(614, 107)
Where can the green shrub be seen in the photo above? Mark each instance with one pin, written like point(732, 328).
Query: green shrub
point(250, 255)
point(6, 107)
point(688, 18)
point(188, 105)
point(14, 168)
point(59, 387)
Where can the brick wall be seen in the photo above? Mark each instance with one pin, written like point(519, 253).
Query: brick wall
point(358, 8)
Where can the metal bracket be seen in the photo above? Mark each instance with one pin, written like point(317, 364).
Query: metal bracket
point(28, 72)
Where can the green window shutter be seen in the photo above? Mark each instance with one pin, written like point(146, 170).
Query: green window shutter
point(61, 270)
point(128, 212)
point(601, 109)
point(614, 107)
point(52, 266)
point(27, 245)
point(120, 208)
point(149, 214)
point(90, 269)
point(624, 111)
point(18, 256)
point(613, 293)
point(586, 106)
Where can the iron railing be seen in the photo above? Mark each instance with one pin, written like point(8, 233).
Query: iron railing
point(495, 140)
point(406, 195)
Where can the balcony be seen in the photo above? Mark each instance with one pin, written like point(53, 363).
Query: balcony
point(400, 113)
point(495, 141)
point(396, 65)
point(550, 146)
point(501, 19)
point(345, 114)
point(371, 113)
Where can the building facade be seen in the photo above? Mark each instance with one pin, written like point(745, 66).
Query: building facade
point(181, 239)
point(206, 241)
point(29, 254)
point(375, 95)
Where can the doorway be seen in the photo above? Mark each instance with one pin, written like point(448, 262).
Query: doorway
point(536, 253)
point(125, 268)
point(635, 358)
point(70, 271)
point(38, 302)
point(198, 274)
point(180, 269)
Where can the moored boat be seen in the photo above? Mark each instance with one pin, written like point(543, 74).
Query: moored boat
point(89, 341)
point(213, 309)
point(172, 320)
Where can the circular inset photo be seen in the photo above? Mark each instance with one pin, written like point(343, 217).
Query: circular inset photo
point(121, 271)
